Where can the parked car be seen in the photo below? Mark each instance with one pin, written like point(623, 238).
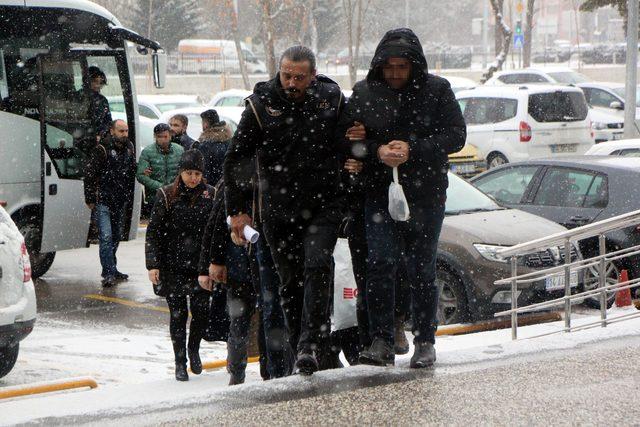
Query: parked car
point(460, 83)
point(17, 295)
point(152, 106)
point(623, 147)
point(574, 191)
point(553, 75)
point(606, 125)
point(229, 98)
point(513, 123)
point(231, 115)
point(608, 96)
point(467, 162)
point(475, 228)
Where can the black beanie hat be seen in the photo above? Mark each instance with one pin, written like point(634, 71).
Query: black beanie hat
point(192, 160)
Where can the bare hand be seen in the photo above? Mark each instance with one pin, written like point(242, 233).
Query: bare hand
point(147, 171)
point(357, 132)
point(91, 205)
point(218, 273)
point(394, 153)
point(353, 166)
point(204, 282)
point(154, 276)
point(237, 227)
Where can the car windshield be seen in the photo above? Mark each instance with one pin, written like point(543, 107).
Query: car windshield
point(463, 197)
point(569, 77)
point(620, 92)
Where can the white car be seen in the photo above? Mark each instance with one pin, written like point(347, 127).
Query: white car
point(623, 147)
point(516, 123)
point(231, 115)
point(460, 83)
point(152, 106)
point(17, 295)
point(548, 75)
point(606, 125)
point(229, 98)
point(608, 96)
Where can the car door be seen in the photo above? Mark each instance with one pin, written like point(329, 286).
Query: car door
point(510, 185)
point(477, 112)
point(569, 196)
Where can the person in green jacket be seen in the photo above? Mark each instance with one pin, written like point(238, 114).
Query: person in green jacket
point(158, 164)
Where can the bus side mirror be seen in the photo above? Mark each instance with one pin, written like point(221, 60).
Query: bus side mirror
point(159, 60)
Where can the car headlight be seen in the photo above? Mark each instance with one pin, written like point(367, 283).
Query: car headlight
point(490, 252)
point(599, 125)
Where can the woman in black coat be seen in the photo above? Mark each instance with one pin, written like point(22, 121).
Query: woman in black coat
point(172, 250)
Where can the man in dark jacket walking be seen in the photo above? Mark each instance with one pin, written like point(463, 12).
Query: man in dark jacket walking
point(108, 190)
point(213, 144)
point(288, 128)
point(179, 124)
point(412, 122)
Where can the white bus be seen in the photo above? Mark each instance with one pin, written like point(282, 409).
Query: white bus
point(46, 48)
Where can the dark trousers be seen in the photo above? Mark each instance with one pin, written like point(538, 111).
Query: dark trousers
point(302, 251)
point(186, 287)
point(357, 236)
point(414, 241)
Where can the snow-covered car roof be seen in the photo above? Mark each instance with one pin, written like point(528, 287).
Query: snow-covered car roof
point(514, 91)
point(229, 93)
point(166, 99)
point(607, 147)
point(601, 85)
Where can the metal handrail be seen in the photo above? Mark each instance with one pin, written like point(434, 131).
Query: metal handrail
point(573, 235)
point(567, 238)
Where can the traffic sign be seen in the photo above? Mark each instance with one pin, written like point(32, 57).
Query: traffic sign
point(518, 41)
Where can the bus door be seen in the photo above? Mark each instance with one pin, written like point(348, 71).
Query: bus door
point(66, 138)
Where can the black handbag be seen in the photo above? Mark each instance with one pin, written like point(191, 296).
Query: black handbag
point(218, 321)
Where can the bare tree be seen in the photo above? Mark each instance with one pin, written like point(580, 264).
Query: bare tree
point(528, 34)
point(268, 36)
point(354, 9)
point(505, 34)
point(233, 13)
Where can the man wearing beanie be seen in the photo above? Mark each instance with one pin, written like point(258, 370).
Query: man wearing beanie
point(158, 164)
point(412, 122)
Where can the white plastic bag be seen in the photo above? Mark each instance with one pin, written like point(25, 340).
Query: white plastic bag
point(345, 291)
point(398, 206)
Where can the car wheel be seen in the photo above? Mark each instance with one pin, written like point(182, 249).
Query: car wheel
point(496, 159)
point(8, 357)
point(40, 262)
point(591, 275)
point(452, 304)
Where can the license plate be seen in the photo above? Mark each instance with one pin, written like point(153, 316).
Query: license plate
point(463, 168)
point(564, 148)
point(617, 136)
point(556, 282)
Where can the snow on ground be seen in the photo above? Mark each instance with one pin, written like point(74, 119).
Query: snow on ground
point(134, 369)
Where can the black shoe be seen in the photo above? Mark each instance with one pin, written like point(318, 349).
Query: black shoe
point(307, 363)
point(378, 354)
point(424, 355)
point(194, 362)
point(236, 379)
point(401, 345)
point(121, 276)
point(181, 372)
point(109, 282)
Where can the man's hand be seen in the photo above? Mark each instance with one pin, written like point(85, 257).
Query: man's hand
point(147, 171)
point(218, 273)
point(353, 166)
point(154, 276)
point(91, 205)
point(204, 282)
point(394, 153)
point(356, 132)
point(237, 226)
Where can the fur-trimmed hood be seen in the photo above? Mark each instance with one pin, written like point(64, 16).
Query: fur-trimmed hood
point(216, 134)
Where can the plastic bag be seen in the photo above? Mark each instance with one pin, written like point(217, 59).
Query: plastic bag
point(345, 291)
point(398, 206)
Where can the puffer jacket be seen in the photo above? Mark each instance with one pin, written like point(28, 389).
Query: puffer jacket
point(164, 168)
point(213, 144)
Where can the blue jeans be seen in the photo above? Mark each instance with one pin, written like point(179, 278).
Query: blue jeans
point(109, 221)
point(388, 241)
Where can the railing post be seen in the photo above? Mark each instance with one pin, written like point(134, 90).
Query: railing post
point(602, 280)
point(567, 285)
point(514, 297)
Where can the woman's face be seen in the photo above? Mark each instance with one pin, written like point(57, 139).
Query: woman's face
point(191, 178)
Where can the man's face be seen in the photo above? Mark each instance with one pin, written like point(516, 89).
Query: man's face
point(295, 78)
point(120, 131)
point(163, 138)
point(177, 128)
point(397, 72)
point(96, 84)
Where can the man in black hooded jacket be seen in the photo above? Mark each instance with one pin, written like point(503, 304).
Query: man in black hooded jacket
point(413, 122)
point(288, 128)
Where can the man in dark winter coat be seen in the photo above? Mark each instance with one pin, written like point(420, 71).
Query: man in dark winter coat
point(213, 144)
point(179, 124)
point(288, 128)
point(412, 123)
point(100, 111)
point(108, 190)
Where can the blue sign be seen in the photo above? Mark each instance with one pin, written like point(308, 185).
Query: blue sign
point(518, 41)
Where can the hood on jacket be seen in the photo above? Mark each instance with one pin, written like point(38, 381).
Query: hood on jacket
point(216, 134)
point(400, 43)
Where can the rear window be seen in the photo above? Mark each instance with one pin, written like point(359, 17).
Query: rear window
point(558, 107)
point(477, 111)
point(520, 78)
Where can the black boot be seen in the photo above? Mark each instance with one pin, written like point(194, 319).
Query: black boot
point(307, 362)
point(424, 355)
point(181, 372)
point(401, 345)
point(181, 363)
point(379, 353)
point(194, 355)
point(236, 379)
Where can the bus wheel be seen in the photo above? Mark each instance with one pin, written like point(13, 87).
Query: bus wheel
point(40, 262)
